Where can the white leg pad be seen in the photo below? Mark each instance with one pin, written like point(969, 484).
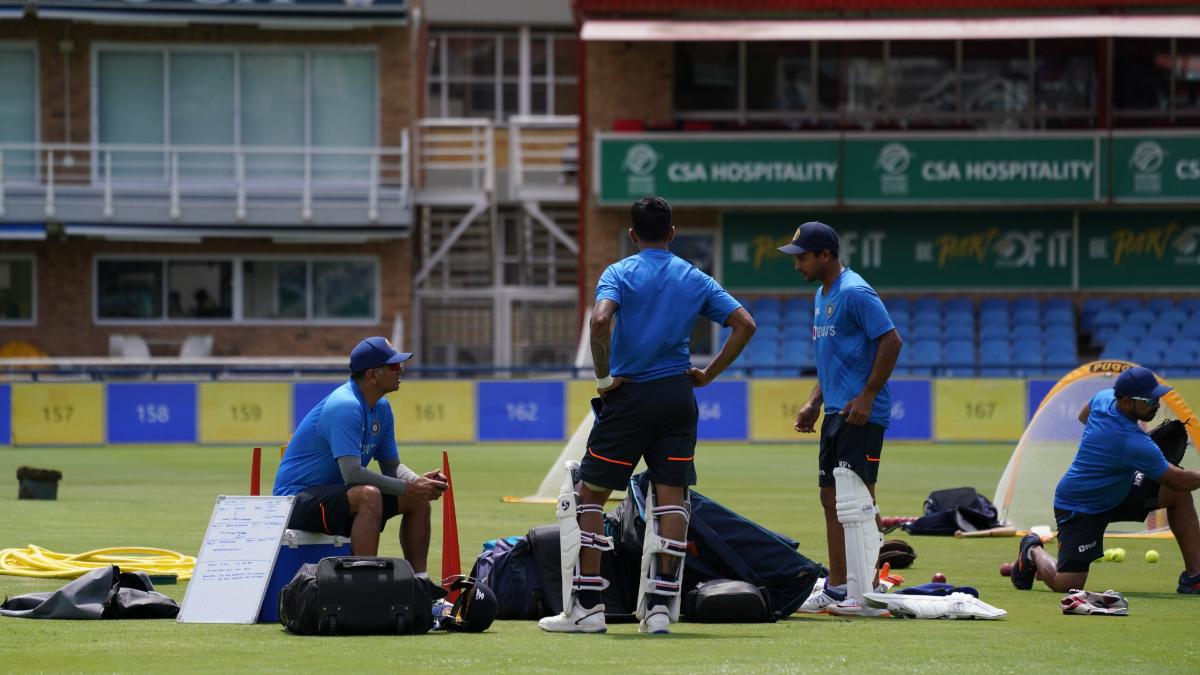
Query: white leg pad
point(653, 544)
point(571, 538)
point(856, 512)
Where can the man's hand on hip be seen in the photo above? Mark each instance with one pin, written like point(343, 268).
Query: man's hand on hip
point(699, 377)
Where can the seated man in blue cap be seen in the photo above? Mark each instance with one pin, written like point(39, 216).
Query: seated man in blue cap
point(325, 464)
point(1118, 474)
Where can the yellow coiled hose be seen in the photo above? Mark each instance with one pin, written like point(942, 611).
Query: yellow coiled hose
point(37, 562)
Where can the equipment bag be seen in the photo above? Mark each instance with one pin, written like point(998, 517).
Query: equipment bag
point(347, 595)
point(727, 601)
point(947, 511)
point(509, 569)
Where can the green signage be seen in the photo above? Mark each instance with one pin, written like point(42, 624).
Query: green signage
point(959, 170)
point(1123, 250)
point(934, 251)
point(717, 169)
point(1156, 168)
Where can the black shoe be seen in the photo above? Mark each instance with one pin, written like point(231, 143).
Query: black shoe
point(1189, 585)
point(1023, 570)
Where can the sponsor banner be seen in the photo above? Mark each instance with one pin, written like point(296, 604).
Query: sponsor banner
point(911, 408)
point(978, 250)
point(434, 411)
point(1036, 393)
point(722, 407)
point(1139, 249)
point(774, 404)
point(245, 412)
point(306, 395)
point(579, 403)
point(520, 411)
point(717, 169)
point(962, 170)
point(57, 414)
point(5, 414)
point(1156, 168)
point(152, 413)
point(979, 409)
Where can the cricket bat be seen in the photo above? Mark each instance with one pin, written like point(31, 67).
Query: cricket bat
point(993, 532)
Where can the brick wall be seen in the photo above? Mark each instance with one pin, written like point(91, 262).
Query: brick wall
point(65, 304)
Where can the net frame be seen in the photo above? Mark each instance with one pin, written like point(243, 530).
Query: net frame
point(1023, 506)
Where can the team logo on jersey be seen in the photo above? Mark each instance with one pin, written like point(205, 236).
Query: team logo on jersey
point(374, 428)
point(828, 311)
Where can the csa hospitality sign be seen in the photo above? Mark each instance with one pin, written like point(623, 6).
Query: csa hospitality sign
point(717, 168)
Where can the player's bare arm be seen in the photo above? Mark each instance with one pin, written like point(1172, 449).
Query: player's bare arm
point(601, 331)
point(1179, 479)
point(743, 329)
point(858, 410)
point(1083, 414)
point(806, 417)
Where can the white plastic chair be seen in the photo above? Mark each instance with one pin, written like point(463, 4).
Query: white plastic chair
point(196, 346)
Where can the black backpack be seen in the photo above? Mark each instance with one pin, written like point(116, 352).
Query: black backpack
point(356, 595)
point(948, 511)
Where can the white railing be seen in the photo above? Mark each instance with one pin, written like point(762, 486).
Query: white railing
point(206, 183)
point(455, 155)
point(543, 157)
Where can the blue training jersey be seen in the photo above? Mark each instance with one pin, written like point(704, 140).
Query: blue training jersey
point(660, 296)
point(340, 425)
point(847, 325)
point(1113, 447)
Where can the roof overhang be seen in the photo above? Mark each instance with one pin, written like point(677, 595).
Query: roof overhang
point(299, 14)
point(992, 28)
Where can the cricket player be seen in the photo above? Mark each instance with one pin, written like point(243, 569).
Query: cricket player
point(856, 347)
point(645, 378)
point(325, 464)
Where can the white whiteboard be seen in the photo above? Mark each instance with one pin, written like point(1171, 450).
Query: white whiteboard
point(235, 560)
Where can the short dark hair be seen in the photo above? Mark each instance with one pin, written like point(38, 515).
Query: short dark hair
point(359, 374)
point(651, 217)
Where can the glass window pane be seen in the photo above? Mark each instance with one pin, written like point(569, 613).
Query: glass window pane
point(200, 289)
point(779, 76)
point(344, 289)
point(512, 103)
point(274, 289)
point(472, 100)
point(130, 109)
point(706, 76)
point(343, 112)
point(864, 77)
point(18, 109)
point(202, 111)
point(829, 76)
point(1142, 74)
point(923, 77)
point(566, 99)
point(995, 81)
point(566, 61)
point(1064, 75)
point(538, 63)
point(537, 99)
point(273, 112)
point(16, 290)
point(471, 55)
point(1187, 78)
point(129, 289)
point(511, 46)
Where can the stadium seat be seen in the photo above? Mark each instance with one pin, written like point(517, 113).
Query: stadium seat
point(994, 331)
point(1056, 332)
point(1140, 317)
point(958, 359)
point(1153, 344)
point(1173, 316)
point(925, 331)
point(1160, 305)
point(958, 317)
point(768, 332)
point(791, 331)
point(1186, 346)
point(995, 358)
point(926, 354)
point(1025, 305)
point(900, 316)
point(1058, 317)
point(1026, 322)
point(1108, 317)
point(993, 316)
point(959, 331)
point(1191, 329)
point(1102, 334)
point(797, 308)
point(1190, 305)
point(1061, 354)
point(928, 317)
point(897, 304)
point(927, 304)
point(1057, 304)
point(959, 305)
point(987, 304)
point(1129, 304)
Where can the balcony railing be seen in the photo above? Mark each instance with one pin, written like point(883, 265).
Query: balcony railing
point(201, 184)
point(543, 158)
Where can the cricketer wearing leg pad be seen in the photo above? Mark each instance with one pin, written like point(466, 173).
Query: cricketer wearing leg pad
point(571, 538)
point(856, 512)
point(653, 543)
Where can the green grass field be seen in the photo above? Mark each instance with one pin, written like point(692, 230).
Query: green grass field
point(162, 497)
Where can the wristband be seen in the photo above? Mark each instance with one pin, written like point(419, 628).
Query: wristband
point(604, 382)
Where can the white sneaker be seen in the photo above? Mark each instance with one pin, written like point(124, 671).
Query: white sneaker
point(578, 620)
point(821, 598)
point(657, 621)
point(855, 607)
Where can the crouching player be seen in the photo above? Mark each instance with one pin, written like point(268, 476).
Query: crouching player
point(648, 411)
point(1118, 474)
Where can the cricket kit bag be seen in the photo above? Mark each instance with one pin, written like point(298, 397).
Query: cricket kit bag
point(947, 511)
point(350, 595)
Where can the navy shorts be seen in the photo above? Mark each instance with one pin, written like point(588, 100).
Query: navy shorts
point(1081, 535)
point(850, 446)
point(326, 508)
point(654, 421)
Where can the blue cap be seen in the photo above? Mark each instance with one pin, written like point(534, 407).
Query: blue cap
point(812, 236)
point(374, 352)
point(1139, 382)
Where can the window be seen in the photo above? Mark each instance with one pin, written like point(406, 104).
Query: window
point(923, 78)
point(17, 296)
point(482, 74)
point(18, 109)
point(191, 289)
point(779, 77)
point(1141, 75)
point(291, 98)
point(995, 82)
point(1186, 74)
point(706, 76)
point(1065, 77)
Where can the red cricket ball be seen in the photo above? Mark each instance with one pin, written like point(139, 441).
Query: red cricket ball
point(938, 577)
point(1006, 569)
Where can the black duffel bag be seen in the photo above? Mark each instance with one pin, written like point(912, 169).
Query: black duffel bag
point(727, 601)
point(351, 595)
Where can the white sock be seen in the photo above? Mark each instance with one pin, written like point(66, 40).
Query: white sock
point(422, 575)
